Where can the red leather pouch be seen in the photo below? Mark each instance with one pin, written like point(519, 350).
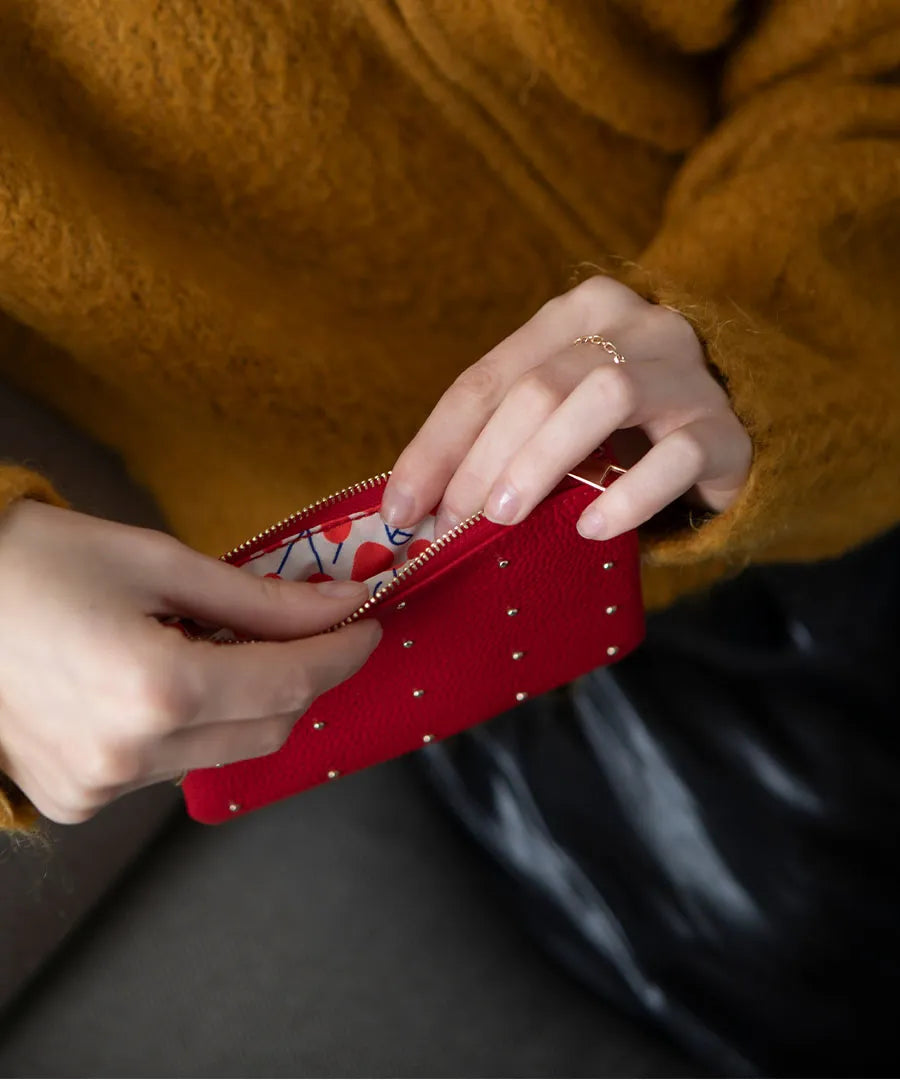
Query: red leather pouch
point(474, 622)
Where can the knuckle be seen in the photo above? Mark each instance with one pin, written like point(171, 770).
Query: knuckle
point(616, 387)
point(478, 382)
point(273, 592)
point(158, 715)
point(106, 765)
point(555, 305)
point(159, 549)
point(158, 702)
point(71, 801)
point(566, 309)
point(593, 291)
point(601, 293)
point(536, 392)
point(296, 692)
point(711, 397)
point(47, 806)
point(304, 691)
point(742, 444)
point(283, 730)
point(273, 736)
point(73, 811)
point(624, 392)
point(677, 332)
point(692, 450)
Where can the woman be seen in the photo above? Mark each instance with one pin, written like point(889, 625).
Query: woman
point(251, 245)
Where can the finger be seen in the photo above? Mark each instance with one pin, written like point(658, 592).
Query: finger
point(212, 591)
point(242, 682)
point(561, 411)
point(528, 404)
point(652, 395)
point(54, 781)
point(513, 466)
point(720, 490)
point(216, 744)
point(55, 809)
point(705, 450)
point(192, 748)
point(663, 385)
point(425, 467)
point(64, 801)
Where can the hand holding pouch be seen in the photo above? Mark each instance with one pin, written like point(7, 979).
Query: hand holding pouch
point(474, 622)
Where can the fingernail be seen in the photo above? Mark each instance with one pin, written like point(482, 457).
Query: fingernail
point(592, 525)
point(503, 506)
point(397, 508)
point(341, 590)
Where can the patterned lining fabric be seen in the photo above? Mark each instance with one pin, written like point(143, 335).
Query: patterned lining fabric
point(356, 547)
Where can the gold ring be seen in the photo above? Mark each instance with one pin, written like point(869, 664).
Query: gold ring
point(179, 779)
point(606, 346)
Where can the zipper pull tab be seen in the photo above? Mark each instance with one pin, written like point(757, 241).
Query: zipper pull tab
point(596, 474)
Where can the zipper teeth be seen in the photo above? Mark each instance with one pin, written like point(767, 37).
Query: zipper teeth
point(408, 569)
point(329, 500)
point(405, 572)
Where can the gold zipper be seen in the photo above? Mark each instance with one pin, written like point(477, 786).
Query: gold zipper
point(329, 500)
point(408, 569)
point(287, 524)
point(597, 476)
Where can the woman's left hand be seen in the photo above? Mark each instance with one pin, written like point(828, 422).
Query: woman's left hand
point(514, 423)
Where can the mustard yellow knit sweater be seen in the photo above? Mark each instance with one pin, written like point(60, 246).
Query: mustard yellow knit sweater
point(248, 244)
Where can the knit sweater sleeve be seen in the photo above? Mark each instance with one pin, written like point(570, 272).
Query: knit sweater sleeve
point(781, 244)
point(17, 482)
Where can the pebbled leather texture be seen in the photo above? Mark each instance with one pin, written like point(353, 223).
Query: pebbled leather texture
point(455, 610)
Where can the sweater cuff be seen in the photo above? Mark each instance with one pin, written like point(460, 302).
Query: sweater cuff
point(680, 537)
point(16, 482)
point(16, 812)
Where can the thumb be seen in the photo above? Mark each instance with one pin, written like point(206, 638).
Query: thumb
point(212, 591)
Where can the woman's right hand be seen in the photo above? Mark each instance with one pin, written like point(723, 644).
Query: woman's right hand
point(98, 698)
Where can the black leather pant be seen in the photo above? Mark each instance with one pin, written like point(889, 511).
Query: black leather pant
point(708, 834)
